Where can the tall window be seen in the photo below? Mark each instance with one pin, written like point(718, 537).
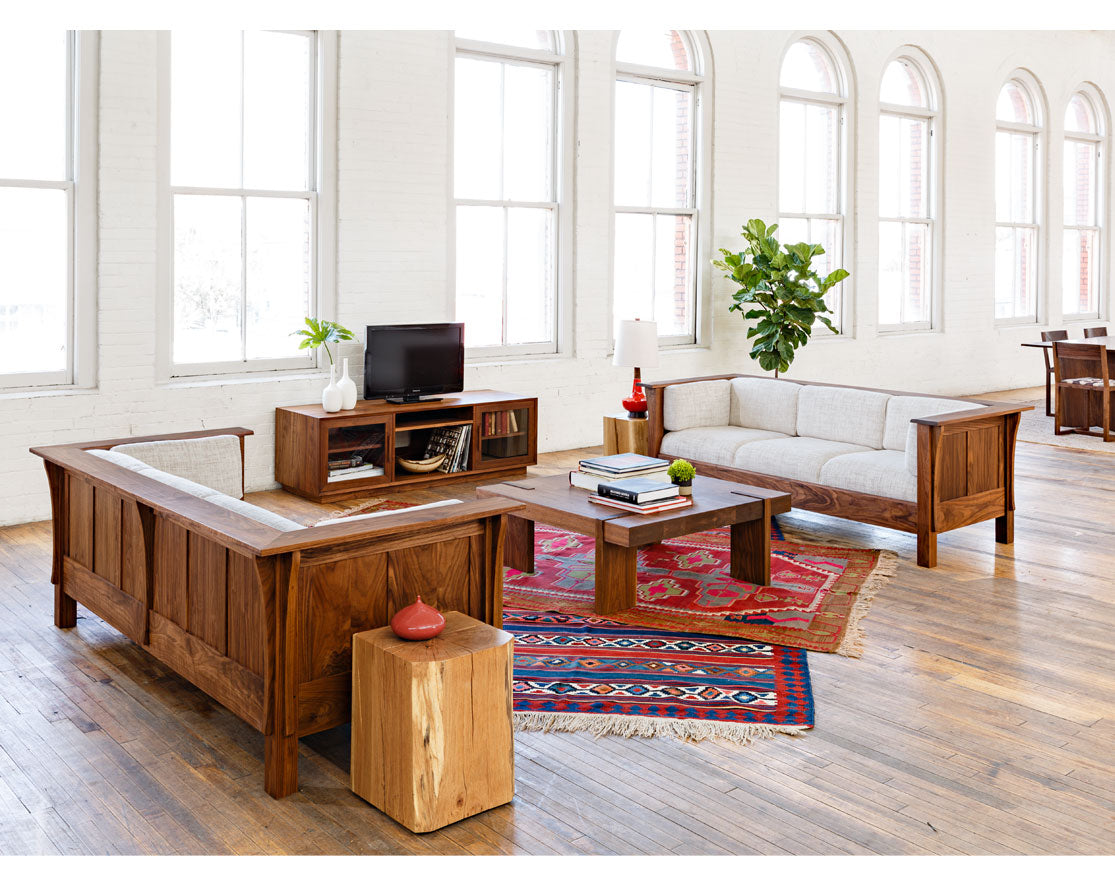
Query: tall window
point(1017, 229)
point(657, 141)
point(508, 128)
point(38, 205)
point(811, 157)
point(244, 183)
point(907, 193)
point(1084, 211)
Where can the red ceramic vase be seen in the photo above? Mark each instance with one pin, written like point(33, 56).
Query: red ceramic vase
point(418, 622)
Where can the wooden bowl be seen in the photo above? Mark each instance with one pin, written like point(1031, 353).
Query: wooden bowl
point(420, 466)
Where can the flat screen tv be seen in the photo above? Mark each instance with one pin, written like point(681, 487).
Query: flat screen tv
point(413, 362)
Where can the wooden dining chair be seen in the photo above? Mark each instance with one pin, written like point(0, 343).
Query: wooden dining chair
point(1050, 336)
point(1092, 332)
point(1082, 368)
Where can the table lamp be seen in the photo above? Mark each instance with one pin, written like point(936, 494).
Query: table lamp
point(636, 346)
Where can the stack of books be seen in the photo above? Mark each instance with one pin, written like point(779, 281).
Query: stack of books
point(338, 473)
point(631, 482)
point(452, 441)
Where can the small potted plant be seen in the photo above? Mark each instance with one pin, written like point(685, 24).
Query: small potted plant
point(681, 474)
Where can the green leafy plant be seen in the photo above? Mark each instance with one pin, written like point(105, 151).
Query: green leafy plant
point(319, 333)
point(681, 472)
point(788, 292)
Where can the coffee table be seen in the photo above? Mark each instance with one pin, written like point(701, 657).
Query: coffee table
point(619, 534)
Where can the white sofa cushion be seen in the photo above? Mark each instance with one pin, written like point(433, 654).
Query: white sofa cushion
point(855, 416)
point(368, 516)
point(121, 460)
point(798, 458)
point(688, 405)
point(764, 404)
point(880, 473)
point(712, 444)
point(183, 485)
point(213, 461)
point(903, 408)
point(252, 512)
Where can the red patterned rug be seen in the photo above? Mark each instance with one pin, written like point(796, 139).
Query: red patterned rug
point(817, 596)
point(587, 673)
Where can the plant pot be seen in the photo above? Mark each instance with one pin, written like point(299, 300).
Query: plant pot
point(685, 488)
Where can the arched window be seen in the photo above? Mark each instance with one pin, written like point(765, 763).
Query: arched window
point(658, 140)
point(1085, 127)
point(908, 110)
point(510, 121)
point(812, 168)
point(1018, 129)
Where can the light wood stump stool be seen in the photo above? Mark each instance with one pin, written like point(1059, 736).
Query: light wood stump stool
point(623, 434)
point(431, 723)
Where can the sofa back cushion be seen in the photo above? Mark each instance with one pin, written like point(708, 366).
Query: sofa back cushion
point(855, 416)
point(688, 405)
point(213, 461)
point(762, 403)
point(121, 460)
point(904, 408)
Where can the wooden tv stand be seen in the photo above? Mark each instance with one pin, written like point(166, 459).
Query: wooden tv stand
point(504, 440)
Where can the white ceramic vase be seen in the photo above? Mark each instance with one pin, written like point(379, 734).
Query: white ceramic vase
point(332, 395)
point(348, 389)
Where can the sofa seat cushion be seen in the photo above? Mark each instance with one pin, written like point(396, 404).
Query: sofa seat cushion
point(712, 444)
point(252, 512)
point(183, 485)
point(856, 416)
point(121, 460)
point(213, 461)
point(329, 521)
point(689, 405)
point(904, 408)
point(881, 473)
point(761, 403)
point(792, 458)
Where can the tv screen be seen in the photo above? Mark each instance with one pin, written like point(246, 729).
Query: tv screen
point(405, 361)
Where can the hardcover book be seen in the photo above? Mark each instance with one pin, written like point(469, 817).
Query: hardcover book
point(637, 491)
point(622, 463)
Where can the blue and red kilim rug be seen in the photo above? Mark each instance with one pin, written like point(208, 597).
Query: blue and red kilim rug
point(587, 673)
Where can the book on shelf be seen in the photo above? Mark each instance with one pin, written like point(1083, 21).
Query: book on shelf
point(501, 423)
point(623, 464)
point(637, 491)
point(582, 479)
point(652, 507)
point(355, 472)
point(453, 442)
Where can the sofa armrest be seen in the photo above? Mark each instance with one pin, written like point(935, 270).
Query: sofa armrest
point(998, 409)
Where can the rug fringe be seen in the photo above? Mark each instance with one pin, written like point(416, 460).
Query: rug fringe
point(693, 730)
point(852, 644)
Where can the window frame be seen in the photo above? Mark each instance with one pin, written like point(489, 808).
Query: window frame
point(560, 60)
point(1098, 140)
point(322, 177)
point(845, 175)
point(932, 115)
point(1036, 132)
point(80, 187)
point(695, 79)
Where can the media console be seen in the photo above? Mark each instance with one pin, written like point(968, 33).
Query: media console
point(334, 456)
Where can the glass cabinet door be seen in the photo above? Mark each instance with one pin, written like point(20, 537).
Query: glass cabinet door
point(505, 434)
point(356, 452)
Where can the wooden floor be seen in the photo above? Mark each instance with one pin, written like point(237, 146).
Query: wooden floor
point(980, 720)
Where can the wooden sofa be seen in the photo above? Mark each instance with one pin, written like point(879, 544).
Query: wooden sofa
point(259, 619)
point(964, 458)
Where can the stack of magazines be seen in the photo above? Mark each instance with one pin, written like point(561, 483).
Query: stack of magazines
point(632, 482)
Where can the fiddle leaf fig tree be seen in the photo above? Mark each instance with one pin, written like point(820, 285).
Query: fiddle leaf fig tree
point(779, 293)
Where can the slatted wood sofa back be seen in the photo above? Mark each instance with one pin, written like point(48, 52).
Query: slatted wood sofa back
point(262, 621)
point(965, 471)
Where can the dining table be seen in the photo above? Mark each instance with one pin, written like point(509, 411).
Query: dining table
point(1078, 407)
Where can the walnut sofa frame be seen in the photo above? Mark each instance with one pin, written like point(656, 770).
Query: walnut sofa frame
point(261, 621)
point(965, 471)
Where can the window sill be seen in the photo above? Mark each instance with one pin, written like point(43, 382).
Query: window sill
point(925, 331)
point(505, 360)
point(15, 393)
point(234, 379)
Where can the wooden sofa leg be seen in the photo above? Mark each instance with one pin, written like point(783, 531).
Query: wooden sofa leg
point(280, 765)
point(65, 608)
point(927, 549)
point(1004, 528)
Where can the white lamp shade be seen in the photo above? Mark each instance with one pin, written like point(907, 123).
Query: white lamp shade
point(636, 344)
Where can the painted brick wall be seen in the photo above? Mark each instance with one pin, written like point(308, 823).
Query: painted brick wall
point(394, 169)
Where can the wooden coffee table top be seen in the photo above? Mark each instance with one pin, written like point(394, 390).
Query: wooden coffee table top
point(552, 500)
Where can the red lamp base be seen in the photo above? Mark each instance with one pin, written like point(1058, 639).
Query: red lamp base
point(636, 403)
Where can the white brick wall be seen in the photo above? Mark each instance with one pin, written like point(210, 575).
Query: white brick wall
point(394, 168)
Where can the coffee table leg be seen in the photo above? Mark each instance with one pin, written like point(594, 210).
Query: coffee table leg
point(751, 549)
point(615, 577)
point(518, 549)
